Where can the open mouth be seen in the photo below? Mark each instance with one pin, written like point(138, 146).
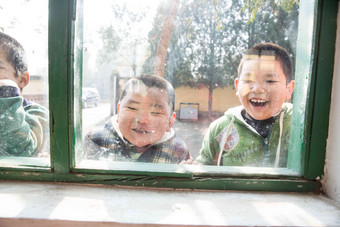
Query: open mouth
point(258, 102)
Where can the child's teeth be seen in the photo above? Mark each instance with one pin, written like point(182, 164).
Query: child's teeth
point(258, 101)
point(141, 131)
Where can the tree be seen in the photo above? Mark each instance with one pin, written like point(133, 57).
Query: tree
point(210, 37)
point(166, 31)
point(208, 31)
point(253, 6)
point(280, 23)
point(111, 42)
point(121, 38)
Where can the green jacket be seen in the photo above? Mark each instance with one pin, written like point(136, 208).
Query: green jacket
point(242, 145)
point(22, 128)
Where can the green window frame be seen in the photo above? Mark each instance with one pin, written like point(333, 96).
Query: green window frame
point(310, 138)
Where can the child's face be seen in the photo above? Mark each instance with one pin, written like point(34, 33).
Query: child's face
point(144, 116)
point(7, 71)
point(261, 87)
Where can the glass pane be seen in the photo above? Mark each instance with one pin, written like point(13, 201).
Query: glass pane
point(24, 83)
point(197, 46)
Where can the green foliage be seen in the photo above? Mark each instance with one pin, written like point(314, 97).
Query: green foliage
point(153, 38)
point(111, 42)
point(253, 6)
point(287, 5)
point(123, 35)
point(199, 25)
point(210, 37)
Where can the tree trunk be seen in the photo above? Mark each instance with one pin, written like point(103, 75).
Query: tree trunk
point(210, 99)
point(164, 40)
point(251, 41)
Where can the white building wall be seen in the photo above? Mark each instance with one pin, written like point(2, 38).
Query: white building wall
point(331, 178)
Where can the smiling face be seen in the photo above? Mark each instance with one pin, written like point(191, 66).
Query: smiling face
point(262, 88)
point(144, 115)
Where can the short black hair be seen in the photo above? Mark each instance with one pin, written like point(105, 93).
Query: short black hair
point(271, 49)
point(15, 53)
point(151, 81)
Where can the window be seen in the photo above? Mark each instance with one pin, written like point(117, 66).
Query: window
point(68, 44)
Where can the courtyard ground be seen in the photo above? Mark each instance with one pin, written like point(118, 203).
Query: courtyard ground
point(193, 131)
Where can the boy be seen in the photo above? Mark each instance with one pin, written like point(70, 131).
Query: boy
point(256, 133)
point(22, 124)
point(141, 131)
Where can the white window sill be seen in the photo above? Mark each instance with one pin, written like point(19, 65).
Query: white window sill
point(56, 204)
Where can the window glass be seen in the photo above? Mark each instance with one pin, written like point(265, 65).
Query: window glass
point(24, 83)
point(197, 46)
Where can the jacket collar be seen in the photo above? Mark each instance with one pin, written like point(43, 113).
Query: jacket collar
point(237, 113)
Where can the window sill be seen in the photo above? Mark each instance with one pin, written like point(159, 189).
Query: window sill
point(39, 204)
point(152, 169)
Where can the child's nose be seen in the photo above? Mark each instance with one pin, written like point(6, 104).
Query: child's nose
point(143, 117)
point(258, 87)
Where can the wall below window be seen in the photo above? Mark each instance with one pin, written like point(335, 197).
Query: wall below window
point(56, 204)
point(331, 178)
point(223, 98)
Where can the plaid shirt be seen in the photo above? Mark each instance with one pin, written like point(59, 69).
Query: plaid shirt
point(105, 143)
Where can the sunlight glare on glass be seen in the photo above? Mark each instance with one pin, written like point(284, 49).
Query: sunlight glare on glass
point(30, 31)
point(98, 15)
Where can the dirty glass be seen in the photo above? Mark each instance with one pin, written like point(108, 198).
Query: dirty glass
point(197, 46)
point(24, 132)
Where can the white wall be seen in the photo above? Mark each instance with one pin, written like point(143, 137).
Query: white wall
point(331, 179)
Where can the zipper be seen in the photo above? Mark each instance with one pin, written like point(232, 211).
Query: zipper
point(266, 148)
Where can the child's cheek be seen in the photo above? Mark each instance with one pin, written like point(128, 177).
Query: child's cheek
point(245, 90)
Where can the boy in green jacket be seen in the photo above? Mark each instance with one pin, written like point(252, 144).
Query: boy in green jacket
point(22, 124)
point(256, 133)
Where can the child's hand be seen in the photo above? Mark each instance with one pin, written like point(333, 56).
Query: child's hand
point(7, 82)
point(189, 162)
point(43, 155)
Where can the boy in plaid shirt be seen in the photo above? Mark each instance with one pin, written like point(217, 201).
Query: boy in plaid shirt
point(142, 129)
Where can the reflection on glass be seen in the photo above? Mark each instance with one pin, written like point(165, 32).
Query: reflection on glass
point(23, 82)
point(197, 46)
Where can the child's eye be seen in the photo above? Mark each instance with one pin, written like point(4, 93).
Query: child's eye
point(155, 112)
point(131, 108)
point(271, 81)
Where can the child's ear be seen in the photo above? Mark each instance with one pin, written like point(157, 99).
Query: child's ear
point(23, 80)
point(236, 85)
point(118, 106)
point(290, 89)
point(171, 121)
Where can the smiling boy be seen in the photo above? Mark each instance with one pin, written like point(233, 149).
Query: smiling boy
point(23, 125)
point(257, 132)
point(142, 129)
